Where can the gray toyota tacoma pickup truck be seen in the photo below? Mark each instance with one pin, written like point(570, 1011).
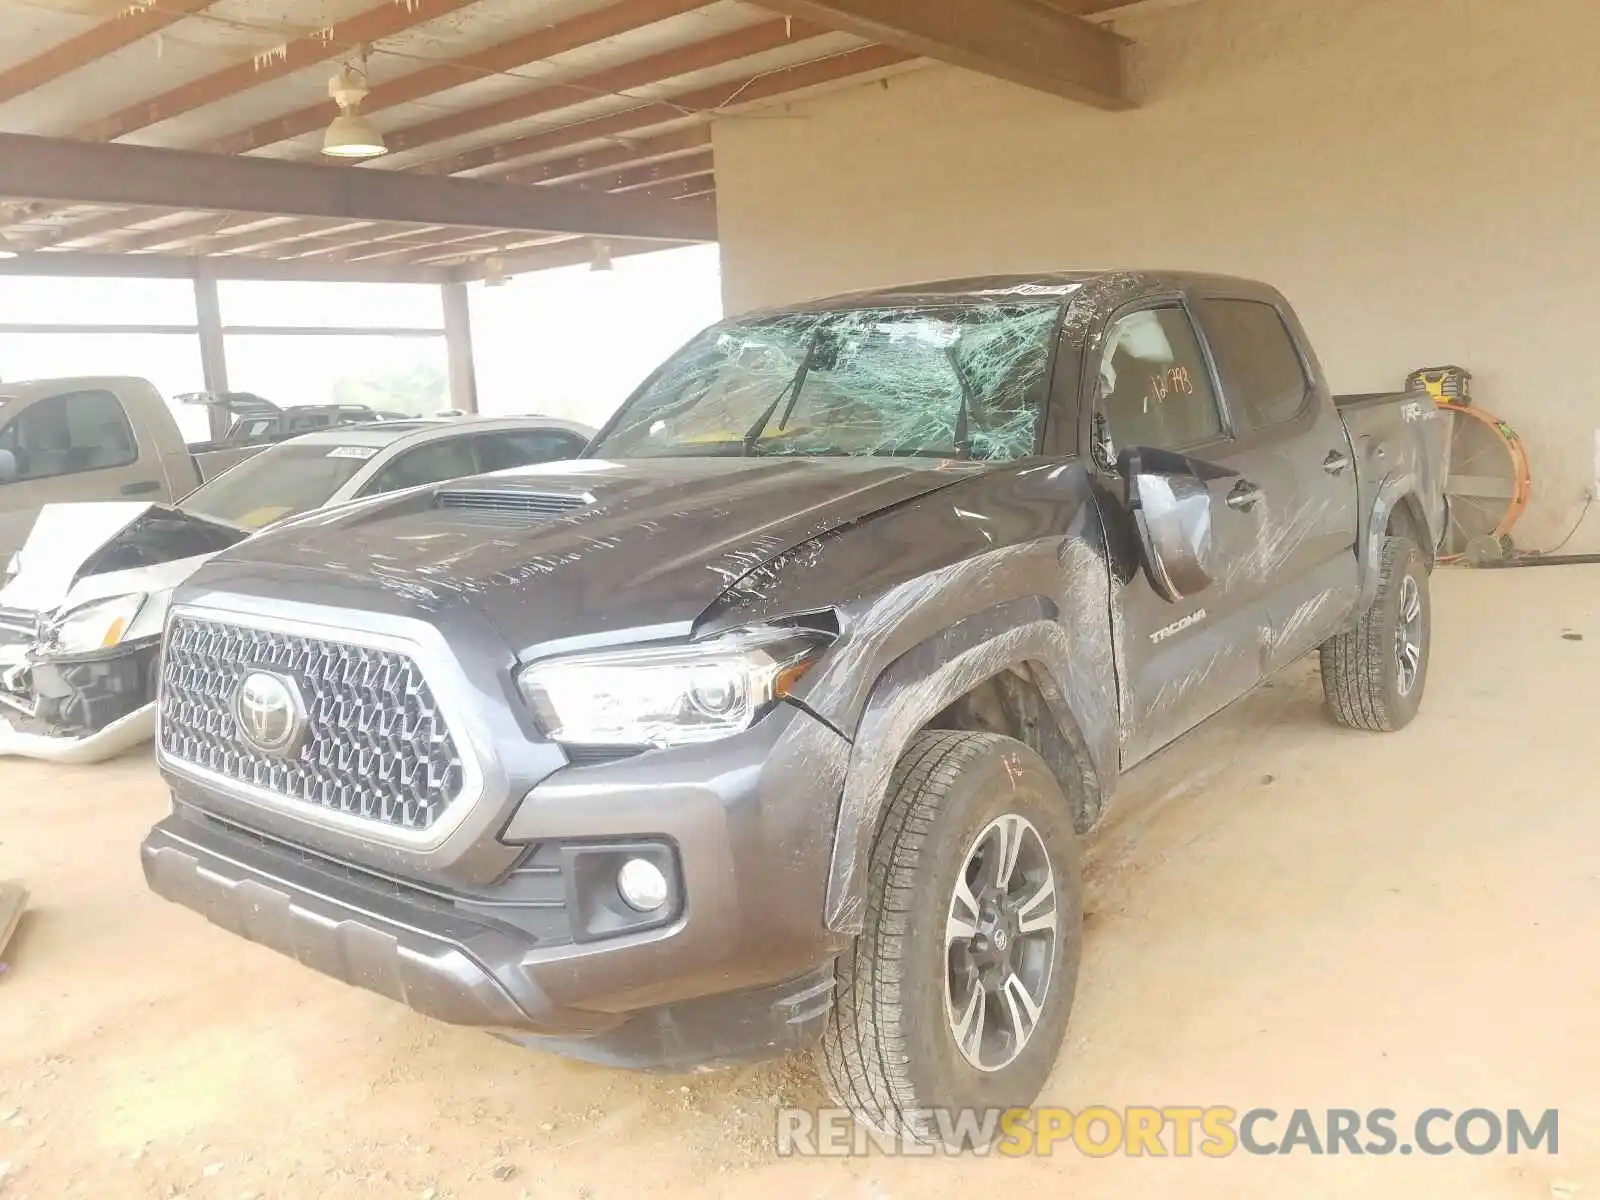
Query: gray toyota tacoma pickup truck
point(773, 722)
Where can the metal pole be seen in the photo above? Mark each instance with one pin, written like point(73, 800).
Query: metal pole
point(458, 346)
point(213, 355)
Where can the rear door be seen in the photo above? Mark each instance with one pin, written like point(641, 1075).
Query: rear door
point(1181, 661)
point(1297, 453)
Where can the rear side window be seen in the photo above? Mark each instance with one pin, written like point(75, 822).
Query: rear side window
point(522, 447)
point(432, 462)
point(69, 434)
point(1154, 388)
point(1262, 376)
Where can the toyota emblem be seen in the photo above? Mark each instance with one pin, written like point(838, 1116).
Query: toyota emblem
point(270, 713)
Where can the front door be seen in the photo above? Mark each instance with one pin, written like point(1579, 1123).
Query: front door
point(1179, 662)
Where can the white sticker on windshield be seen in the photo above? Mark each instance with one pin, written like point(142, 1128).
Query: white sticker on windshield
point(352, 452)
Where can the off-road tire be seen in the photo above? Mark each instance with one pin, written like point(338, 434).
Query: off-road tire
point(1361, 674)
point(888, 1053)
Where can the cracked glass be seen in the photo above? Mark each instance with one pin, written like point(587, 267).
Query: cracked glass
point(948, 381)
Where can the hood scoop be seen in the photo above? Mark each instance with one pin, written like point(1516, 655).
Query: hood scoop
point(530, 506)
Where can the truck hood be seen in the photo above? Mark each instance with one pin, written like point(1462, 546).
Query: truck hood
point(633, 544)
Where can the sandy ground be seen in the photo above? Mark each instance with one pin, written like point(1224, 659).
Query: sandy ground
point(1284, 914)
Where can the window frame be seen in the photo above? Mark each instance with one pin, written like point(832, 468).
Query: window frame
point(370, 487)
point(1308, 395)
point(553, 431)
point(39, 402)
point(1094, 353)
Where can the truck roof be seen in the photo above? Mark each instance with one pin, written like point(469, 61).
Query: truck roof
point(28, 389)
point(382, 433)
point(1043, 285)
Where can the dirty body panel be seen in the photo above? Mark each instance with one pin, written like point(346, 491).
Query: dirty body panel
point(913, 494)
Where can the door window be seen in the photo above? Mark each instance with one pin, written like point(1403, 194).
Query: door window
point(68, 434)
point(1260, 369)
point(522, 447)
point(1154, 387)
point(449, 458)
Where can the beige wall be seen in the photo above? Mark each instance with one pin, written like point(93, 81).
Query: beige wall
point(1421, 177)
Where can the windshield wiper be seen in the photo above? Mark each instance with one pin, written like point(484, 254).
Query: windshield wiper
point(963, 439)
point(753, 437)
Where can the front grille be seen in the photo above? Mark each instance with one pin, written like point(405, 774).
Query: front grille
point(533, 505)
point(377, 745)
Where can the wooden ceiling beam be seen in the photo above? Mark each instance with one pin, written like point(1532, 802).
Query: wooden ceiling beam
point(641, 72)
point(111, 173)
point(127, 27)
point(750, 90)
point(635, 152)
point(689, 188)
point(654, 174)
point(575, 253)
point(455, 248)
point(385, 20)
point(533, 47)
point(1022, 41)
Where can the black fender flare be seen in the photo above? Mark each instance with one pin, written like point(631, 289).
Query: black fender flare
point(914, 689)
point(1397, 493)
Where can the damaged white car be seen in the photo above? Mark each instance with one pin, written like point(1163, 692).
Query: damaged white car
point(85, 600)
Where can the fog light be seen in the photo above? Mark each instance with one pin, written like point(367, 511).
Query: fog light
point(642, 885)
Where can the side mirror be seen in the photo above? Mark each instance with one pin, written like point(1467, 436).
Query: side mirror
point(1171, 505)
point(9, 470)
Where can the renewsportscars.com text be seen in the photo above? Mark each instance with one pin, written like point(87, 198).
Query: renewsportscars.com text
point(1178, 1131)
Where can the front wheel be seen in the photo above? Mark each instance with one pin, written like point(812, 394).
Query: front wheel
point(956, 994)
point(1373, 675)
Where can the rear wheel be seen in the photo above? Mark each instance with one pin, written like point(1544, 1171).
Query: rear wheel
point(1373, 675)
point(957, 993)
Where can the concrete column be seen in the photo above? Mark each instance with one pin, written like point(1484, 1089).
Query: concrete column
point(458, 345)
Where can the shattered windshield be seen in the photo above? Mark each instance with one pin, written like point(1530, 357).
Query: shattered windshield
point(282, 481)
point(949, 381)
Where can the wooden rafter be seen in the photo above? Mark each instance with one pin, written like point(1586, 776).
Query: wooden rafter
point(385, 20)
point(569, 254)
point(632, 153)
point(689, 188)
point(641, 72)
point(654, 174)
point(103, 39)
point(1022, 41)
point(750, 90)
point(619, 18)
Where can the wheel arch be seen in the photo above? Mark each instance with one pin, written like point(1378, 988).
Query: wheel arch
point(1007, 660)
point(1396, 509)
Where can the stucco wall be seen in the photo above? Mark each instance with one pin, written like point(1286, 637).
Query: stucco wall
point(1421, 177)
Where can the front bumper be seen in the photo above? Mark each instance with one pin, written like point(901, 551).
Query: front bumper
point(452, 960)
point(122, 735)
point(84, 709)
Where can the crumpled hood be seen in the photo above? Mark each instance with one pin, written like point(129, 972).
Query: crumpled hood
point(649, 543)
point(64, 537)
point(102, 537)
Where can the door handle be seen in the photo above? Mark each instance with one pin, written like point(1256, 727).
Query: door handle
point(143, 488)
point(1336, 463)
point(1244, 496)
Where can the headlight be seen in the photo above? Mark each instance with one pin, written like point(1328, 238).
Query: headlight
point(669, 696)
point(97, 625)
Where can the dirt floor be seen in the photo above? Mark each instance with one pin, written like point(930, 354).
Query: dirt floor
point(1284, 914)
